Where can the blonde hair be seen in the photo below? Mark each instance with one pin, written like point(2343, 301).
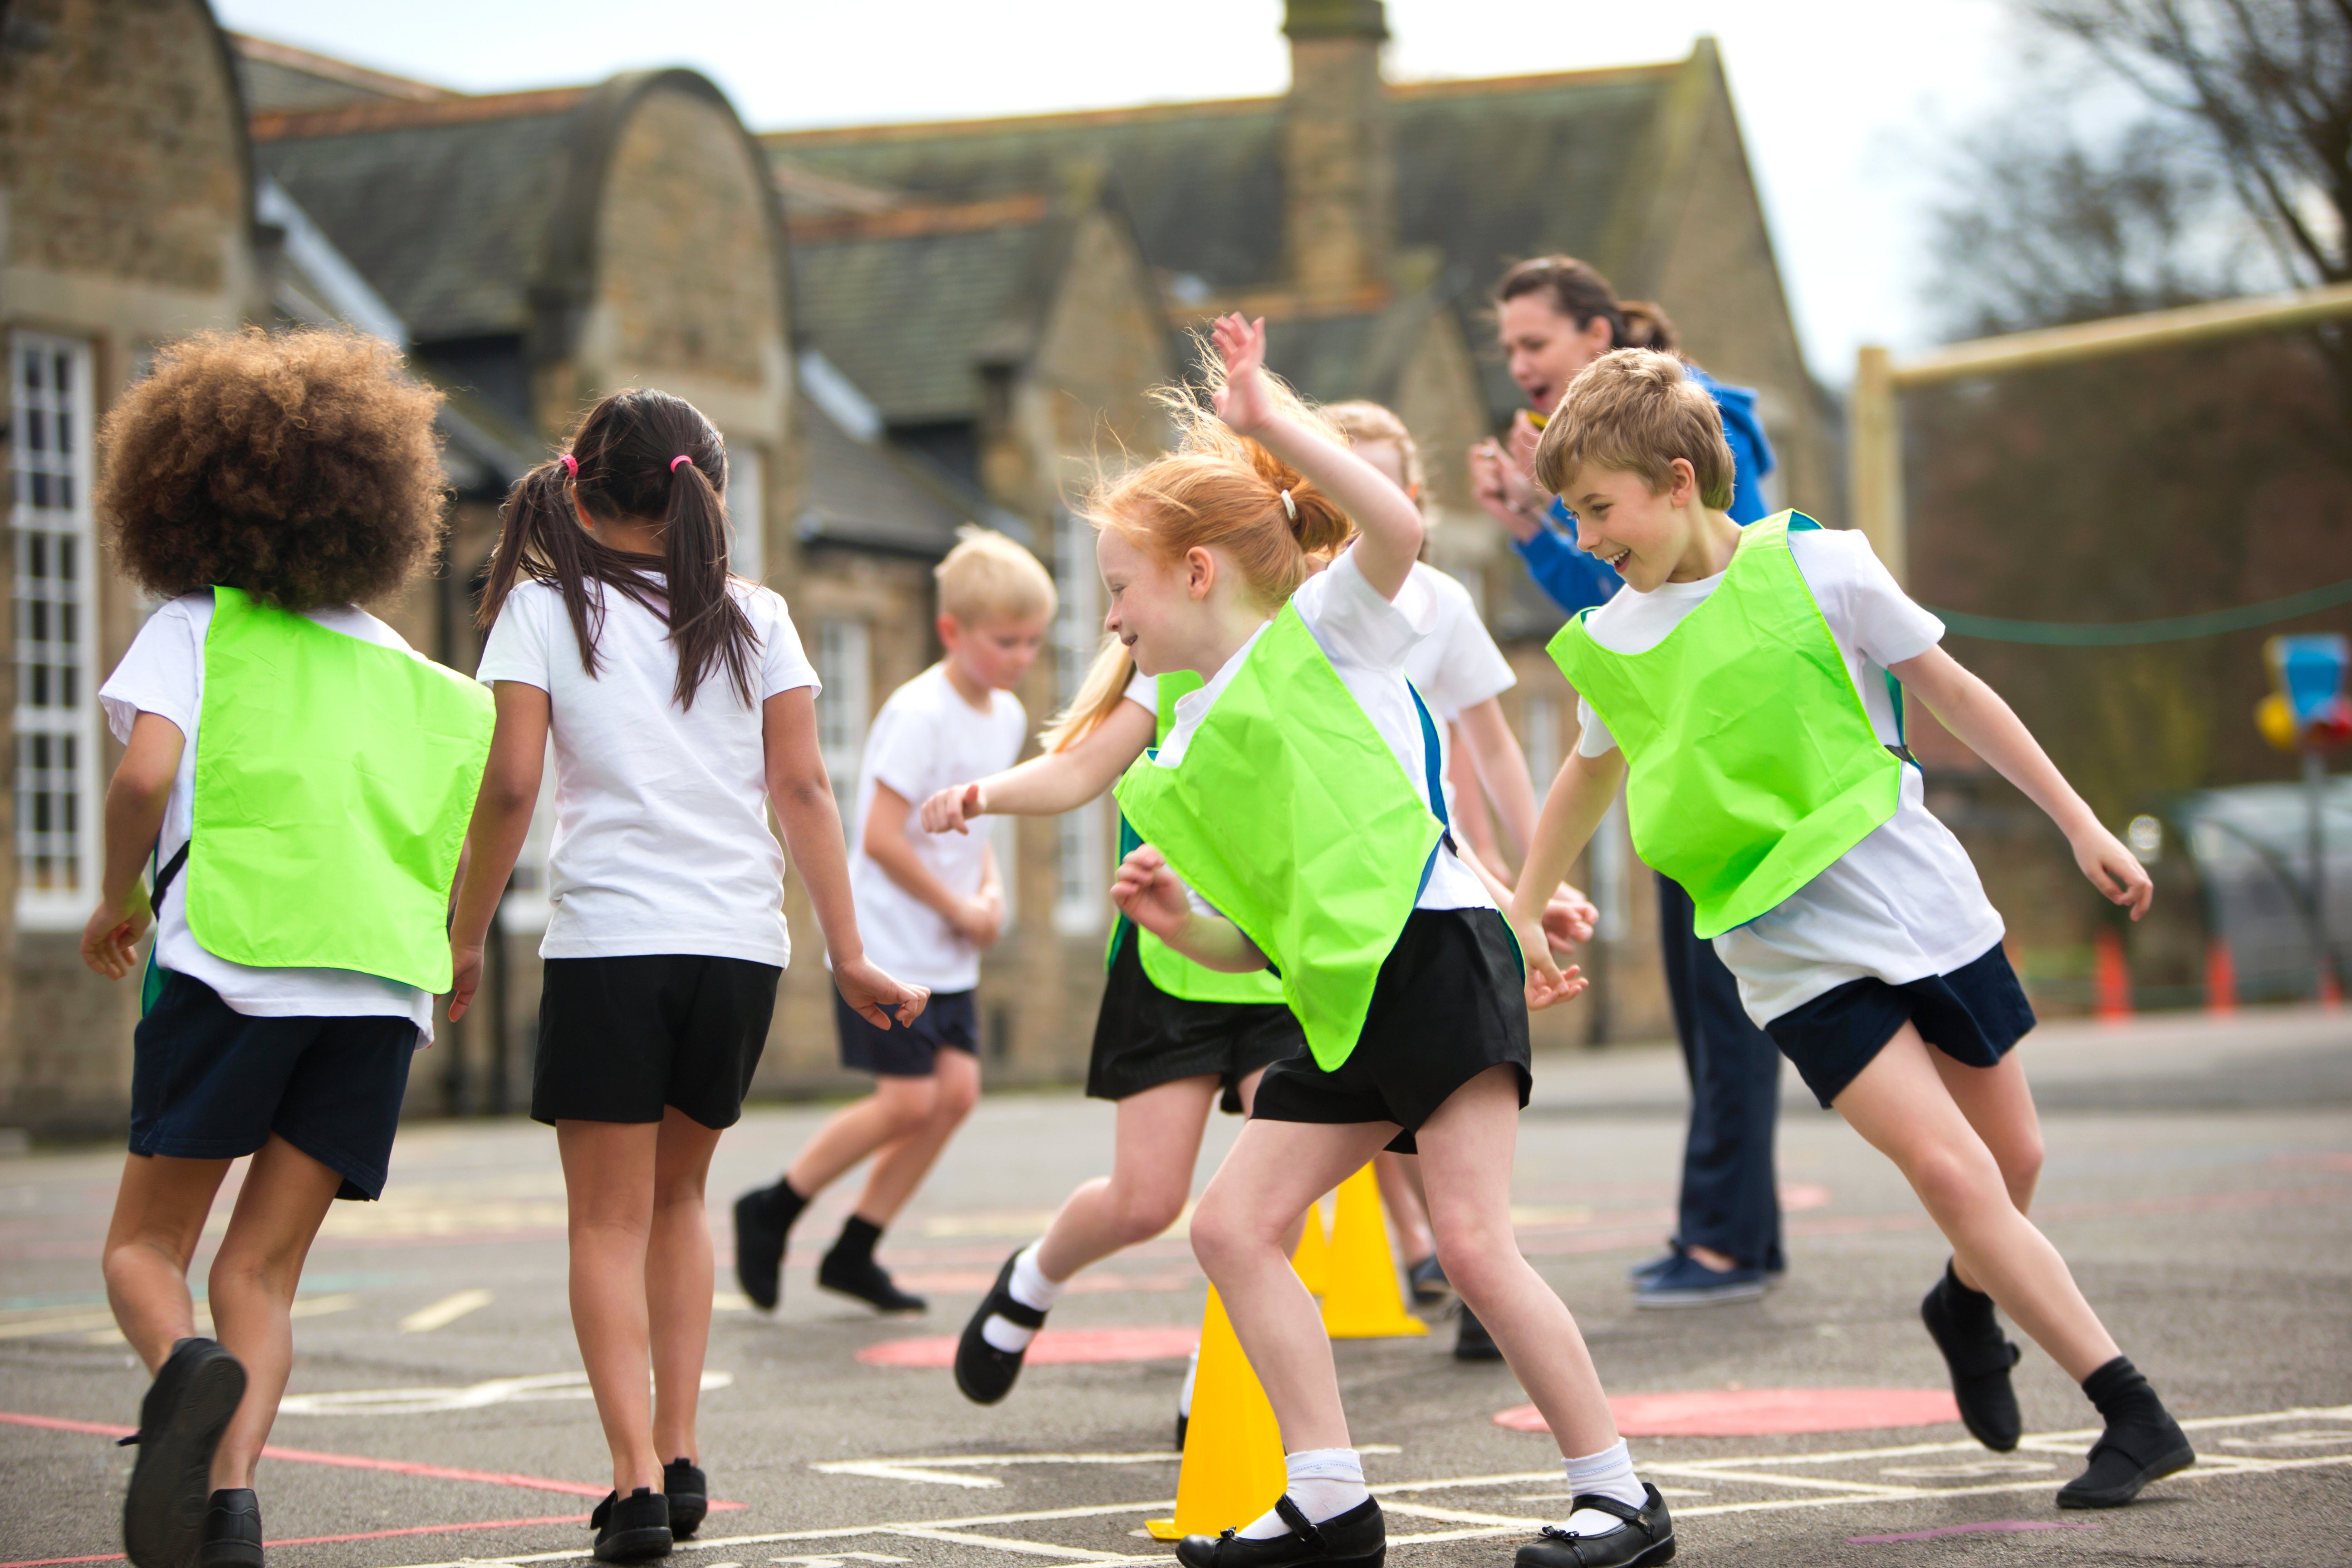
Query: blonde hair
point(1636, 411)
point(988, 577)
point(1360, 421)
point(1217, 490)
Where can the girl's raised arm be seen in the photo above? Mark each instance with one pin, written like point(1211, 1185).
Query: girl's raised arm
point(1387, 524)
point(803, 796)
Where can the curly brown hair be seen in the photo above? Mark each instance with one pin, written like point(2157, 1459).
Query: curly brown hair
point(300, 467)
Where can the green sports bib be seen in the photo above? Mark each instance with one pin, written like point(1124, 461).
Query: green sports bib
point(1290, 813)
point(335, 780)
point(1751, 762)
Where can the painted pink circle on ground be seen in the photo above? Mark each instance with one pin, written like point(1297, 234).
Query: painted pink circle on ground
point(1051, 1347)
point(1761, 1412)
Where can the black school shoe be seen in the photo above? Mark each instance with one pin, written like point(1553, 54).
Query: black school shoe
point(985, 1373)
point(2124, 1459)
point(1961, 1324)
point(1356, 1539)
point(1646, 1538)
point(232, 1537)
point(689, 1492)
point(188, 1407)
point(759, 1250)
point(868, 1281)
point(631, 1529)
point(1471, 1339)
point(1430, 1286)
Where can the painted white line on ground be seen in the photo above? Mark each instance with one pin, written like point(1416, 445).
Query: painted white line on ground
point(444, 1311)
point(474, 1396)
point(940, 1470)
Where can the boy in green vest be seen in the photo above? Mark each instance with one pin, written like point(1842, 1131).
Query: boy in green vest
point(1743, 689)
point(259, 487)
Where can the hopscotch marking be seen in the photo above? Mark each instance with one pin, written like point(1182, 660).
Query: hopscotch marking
point(474, 1396)
point(1767, 1470)
point(946, 1472)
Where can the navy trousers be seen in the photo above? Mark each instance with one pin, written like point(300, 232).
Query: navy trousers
point(1730, 1202)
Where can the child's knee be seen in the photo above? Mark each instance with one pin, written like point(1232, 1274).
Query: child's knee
point(953, 1097)
point(1952, 1181)
point(905, 1104)
point(1144, 1209)
point(1476, 1258)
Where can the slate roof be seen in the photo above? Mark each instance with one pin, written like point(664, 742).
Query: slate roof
point(872, 497)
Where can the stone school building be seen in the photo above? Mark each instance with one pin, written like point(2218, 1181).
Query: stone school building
point(899, 328)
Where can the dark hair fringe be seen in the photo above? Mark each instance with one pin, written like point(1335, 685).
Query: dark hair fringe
point(624, 450)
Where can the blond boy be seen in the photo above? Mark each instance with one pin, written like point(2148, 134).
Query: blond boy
point(928, 904)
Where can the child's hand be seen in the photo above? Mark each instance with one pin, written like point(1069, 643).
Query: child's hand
point(2115, 870)
point(951, 809)
point(1524, 438)
point(981, 919)
point(112, 932)
point(1151, 894)
point(1547, 981)
point(1244, 402)
point(875, 997)
point(465, 977)
point(1568, 920)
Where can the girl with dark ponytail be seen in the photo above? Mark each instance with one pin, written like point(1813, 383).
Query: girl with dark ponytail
point(682, 708)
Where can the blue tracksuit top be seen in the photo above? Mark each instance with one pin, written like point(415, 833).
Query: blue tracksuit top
point(1573, 580)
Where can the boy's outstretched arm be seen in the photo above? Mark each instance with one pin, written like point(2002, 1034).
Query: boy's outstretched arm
point(135, 802)
point(1977, 717)
point(494, 840)
point(1577, 799)
point(801, 795)
point(1387, 521)
point(1153, 897)
point(1048, 786)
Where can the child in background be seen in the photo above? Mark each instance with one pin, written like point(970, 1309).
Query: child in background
point(681, 709)
point(1764, 748)
point(259, 487)
point(1406, 980)
point(931, 905)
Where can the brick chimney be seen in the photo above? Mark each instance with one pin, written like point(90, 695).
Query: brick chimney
point(1338, 168)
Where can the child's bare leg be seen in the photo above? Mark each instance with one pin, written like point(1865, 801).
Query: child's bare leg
point(1408, 1208)
point(1156, 1144)
point(159, 1216)
point(897, 1107)
point(678, 1280)
point(1901, 1105)
point(278, 1210)
point(1243, 1233)
point(903, 1165)
point(1466, 1148)
point(1999, 1105)
point(608, 1183)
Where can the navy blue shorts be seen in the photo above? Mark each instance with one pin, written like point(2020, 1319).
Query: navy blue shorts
point(952, 1022)
point(210, 1083)
point(1973, 1015)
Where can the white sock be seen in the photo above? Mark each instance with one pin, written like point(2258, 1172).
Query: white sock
point(1324, 1483)
point(1191, 1374)
point(1610, 1473)
point(1029, 1287)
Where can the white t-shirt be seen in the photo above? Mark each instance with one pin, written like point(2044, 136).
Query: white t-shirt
point(661, 842)
point(1904, 903)
point(1368, 640)
point(1455, 665)
point(163, 674)
point(926, 738)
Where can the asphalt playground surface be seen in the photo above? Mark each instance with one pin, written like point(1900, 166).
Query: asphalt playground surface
point(2199, 1180)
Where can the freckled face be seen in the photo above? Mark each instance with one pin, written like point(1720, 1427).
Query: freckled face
point(1147, 600)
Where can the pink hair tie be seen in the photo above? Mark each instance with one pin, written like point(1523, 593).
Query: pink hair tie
point(681, 458)
point(571, 465)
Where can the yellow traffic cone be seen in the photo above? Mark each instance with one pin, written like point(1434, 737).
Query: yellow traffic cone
point(1361, 1298)
point(1312, 1260)
point(1233, 1449)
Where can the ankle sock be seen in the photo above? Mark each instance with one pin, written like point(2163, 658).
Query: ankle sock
point(1970, 1312)
point(1324, 1482)
point(2122, 1395)
point(1191, 1375)
point(1610, 1473)
point(856, 1241)
point(780, 1205)
point(1029, 1287)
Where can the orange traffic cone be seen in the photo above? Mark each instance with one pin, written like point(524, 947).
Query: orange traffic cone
point(1313, 1259)
point(1360, 1298)
point(2221, 978)
point(2110, 979)
point(1233, 1449)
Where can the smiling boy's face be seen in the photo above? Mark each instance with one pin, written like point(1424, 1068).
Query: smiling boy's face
point(1644, 534)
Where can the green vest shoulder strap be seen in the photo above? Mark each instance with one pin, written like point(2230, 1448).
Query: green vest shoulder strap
point(335, 780)
point(1290, 813)
point(1751, 761)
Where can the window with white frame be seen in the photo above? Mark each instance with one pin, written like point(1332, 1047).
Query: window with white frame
point(1081, 872)
point(843, 707)
point(746, 496)
point(57, 758)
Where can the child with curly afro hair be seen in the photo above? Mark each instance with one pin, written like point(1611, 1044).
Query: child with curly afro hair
point(262, 485)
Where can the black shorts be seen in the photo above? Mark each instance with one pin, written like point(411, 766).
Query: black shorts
point(1145, 1037)
point(210, 1083)
point(950, 1022)
point(1973, 1015)
point(622, 1038)
point(1450, 1002)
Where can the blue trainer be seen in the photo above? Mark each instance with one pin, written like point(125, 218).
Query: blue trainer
point(1688, 1282)
point(1641, 1273)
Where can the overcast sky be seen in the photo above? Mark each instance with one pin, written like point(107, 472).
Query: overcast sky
point(1844, 102)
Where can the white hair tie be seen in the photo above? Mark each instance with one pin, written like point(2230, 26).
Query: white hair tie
point(1289, 506)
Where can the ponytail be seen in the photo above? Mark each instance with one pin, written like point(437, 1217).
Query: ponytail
point(641, 456)
point(1099, 697)
point(1647, 326)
